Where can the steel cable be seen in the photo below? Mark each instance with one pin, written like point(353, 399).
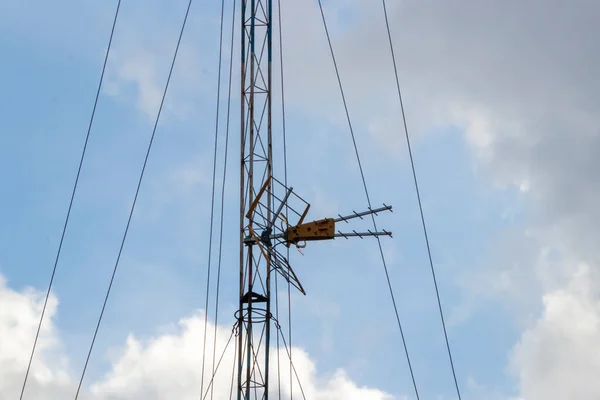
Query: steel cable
point(389, 283)
point(137, 191)
point(64, 230)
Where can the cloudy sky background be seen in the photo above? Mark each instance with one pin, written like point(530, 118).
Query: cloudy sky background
point(501, 99)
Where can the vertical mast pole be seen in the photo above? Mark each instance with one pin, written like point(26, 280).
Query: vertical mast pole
point(269, 5)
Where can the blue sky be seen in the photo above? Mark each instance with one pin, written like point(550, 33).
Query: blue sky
point(52, 59)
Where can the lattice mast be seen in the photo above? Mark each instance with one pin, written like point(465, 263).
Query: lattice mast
point(254, 312)
point(265, 232)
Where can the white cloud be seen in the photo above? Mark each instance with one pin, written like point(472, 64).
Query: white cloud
point(139, 70)
point(165, 366)
point(143, 49)
point(19, 313)
point(559, 357)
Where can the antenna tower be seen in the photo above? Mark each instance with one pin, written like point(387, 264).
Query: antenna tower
point(264, 230)
point(254, 312)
